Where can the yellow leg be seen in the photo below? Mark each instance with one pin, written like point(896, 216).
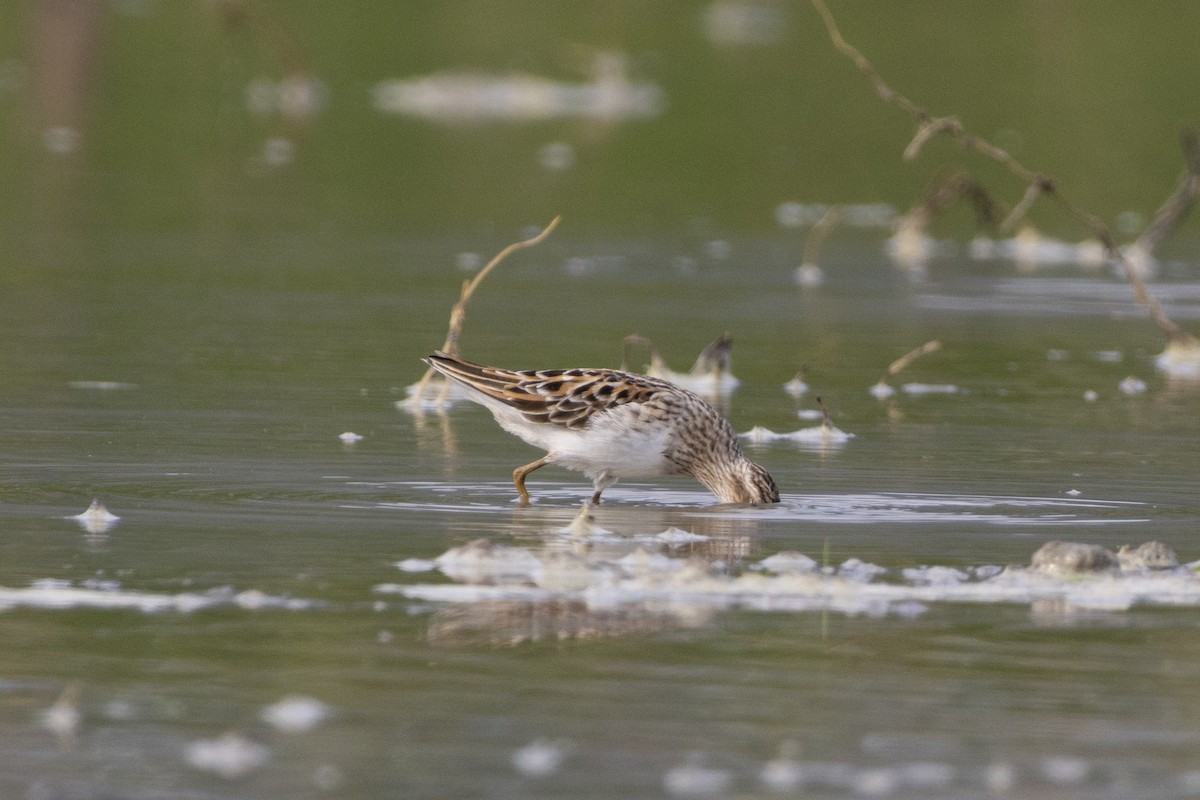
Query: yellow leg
point(519, 477)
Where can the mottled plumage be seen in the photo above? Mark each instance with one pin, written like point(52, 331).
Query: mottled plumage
point(609, 424)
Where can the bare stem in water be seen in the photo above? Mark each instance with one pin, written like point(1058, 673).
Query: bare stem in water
point(826, 423)
point(903, 361)
point(1177, 206)
point(458, 313)
point(818, 234)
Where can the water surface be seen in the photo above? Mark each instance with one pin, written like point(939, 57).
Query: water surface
point(208, 420)
point(228, 253)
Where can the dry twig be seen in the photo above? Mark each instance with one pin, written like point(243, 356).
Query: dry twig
point(903, 361)
point(1180, 203)
point(1038, 184)
point(882, 389)
point(826, 422)
point(944, 192)
point(458, 313)
point(818, 233)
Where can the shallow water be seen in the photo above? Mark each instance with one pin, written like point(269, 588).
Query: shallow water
point(228, 240)
point(259, 558)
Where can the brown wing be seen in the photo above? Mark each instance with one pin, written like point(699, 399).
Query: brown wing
point(566, 397)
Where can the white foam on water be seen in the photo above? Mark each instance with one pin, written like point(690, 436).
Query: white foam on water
point(463, 96)
point(910, 778)
point(789, 582)
point(694, 779)
point(63, 718)
point(295, 714)
point(96, 518)
point(1065, 770)
point(416, 565)
point(930, 388)
point(481, 561)
point(1132, 386)
point(102, 386)
point(55, 594)
point(540, 757)
point(818, 435)
point(677, 536)
point(230, 756)
point(787, 563)
point(934, 575)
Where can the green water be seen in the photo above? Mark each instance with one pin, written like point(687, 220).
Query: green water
point(187, 330)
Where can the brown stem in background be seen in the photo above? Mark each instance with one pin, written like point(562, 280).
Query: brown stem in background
point(299, 90)
point(944, 192)
point(819, 232)
point(826, 422)
point(1180, 203)
point(1038, 184)
point(246, 15)
point(903, 361)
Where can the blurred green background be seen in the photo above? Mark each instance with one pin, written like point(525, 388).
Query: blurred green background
point(757, 109)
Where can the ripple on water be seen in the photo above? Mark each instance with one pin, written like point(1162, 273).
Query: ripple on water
point(897, 507)
point(1000, 510)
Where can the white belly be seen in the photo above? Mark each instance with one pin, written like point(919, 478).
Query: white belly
point(609, 445)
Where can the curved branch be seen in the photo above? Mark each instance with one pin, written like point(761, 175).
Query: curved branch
point(928, 126)
point(458, 314)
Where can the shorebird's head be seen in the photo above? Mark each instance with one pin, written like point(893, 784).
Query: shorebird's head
point(741, 481)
